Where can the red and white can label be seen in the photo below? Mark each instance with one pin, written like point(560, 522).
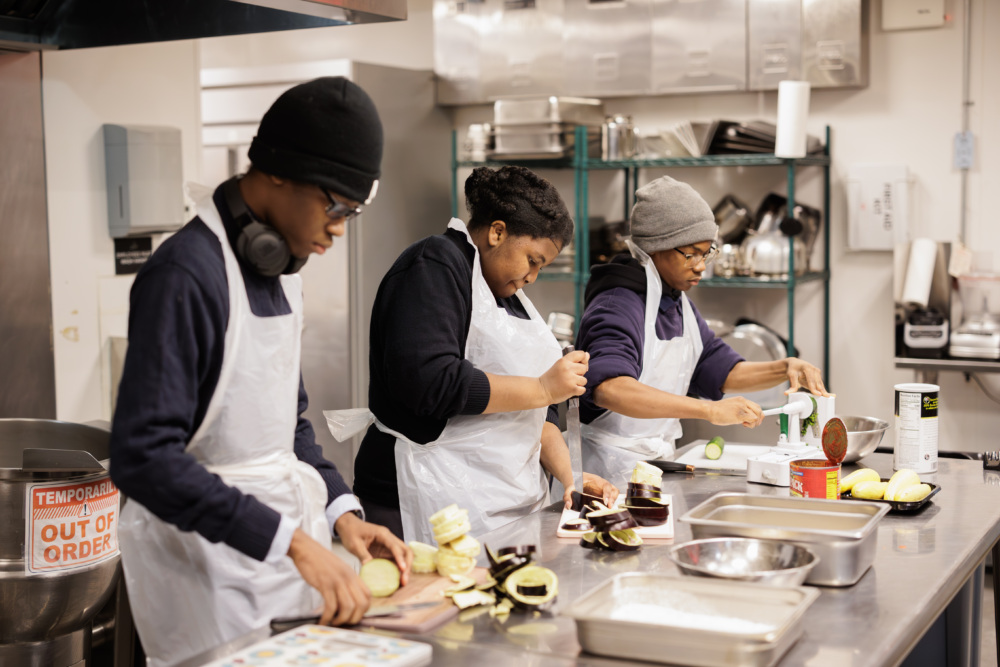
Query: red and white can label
point(814, 478)
point(70, 525)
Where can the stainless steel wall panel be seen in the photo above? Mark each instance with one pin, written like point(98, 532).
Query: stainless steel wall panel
point(835, 43)
point(699, 45)
point(27, 365)
point(457, 52)
point(774, 42)
point(607, 47)
point(522, 48)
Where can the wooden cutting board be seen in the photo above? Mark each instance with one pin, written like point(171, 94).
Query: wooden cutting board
point(421, 588)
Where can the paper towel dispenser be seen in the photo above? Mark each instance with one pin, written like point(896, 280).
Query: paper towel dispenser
point(144, 179)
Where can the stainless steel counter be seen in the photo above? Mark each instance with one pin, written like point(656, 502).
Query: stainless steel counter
point(924, 562)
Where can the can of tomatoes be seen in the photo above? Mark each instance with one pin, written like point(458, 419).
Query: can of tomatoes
point(815, 478)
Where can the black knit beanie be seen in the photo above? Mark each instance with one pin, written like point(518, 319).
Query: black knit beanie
point(324, 132)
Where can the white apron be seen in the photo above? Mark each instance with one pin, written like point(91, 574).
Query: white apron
point(187, 594)
point(613, 443)
point(487, 464)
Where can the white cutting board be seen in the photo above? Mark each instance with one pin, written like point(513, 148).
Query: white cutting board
point(734, 456)
point(662, 532)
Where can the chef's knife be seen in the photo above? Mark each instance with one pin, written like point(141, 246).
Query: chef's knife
point(675, 466)
point(573, 437)
point(284, 623)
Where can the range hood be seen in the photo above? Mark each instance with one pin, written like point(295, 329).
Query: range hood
point(31, 25)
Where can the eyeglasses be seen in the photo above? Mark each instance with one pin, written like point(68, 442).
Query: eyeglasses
point(692, 259)
point(337, 209)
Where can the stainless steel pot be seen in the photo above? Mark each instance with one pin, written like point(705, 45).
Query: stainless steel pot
point(49, 624)
point(617, 138)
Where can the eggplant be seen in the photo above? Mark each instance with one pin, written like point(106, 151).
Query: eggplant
point(632, 501)
point(576, 525)
point(623, 540)
point(606, 520)
point(520, 550)
point(650, 516)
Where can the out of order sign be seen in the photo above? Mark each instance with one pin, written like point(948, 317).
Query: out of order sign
point(70, 524)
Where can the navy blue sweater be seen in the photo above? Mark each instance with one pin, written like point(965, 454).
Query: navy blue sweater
point(179, 310)
point(612, 330)
point(419, 377)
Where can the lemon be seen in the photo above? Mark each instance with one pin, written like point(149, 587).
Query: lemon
point(862, 475)
point(899, 481)
point(869, 490)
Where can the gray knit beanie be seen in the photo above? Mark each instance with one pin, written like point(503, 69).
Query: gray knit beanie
point(669, 214)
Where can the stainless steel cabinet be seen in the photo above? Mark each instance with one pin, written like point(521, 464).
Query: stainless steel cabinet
point(456, 51)
point(490, 49)
point(522, 48)
point(834, 43)
point(699, 45)
point(607, 47)
point(774, 42)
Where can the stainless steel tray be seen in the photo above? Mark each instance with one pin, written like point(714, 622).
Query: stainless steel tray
point(690, 621)
point(580, 110)
point(842, 534)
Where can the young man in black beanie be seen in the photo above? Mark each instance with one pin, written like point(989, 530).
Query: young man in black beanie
point(231, 502)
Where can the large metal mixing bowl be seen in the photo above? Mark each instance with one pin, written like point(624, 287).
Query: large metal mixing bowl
point(863, 436)
point(746, 559)
point(44, 607)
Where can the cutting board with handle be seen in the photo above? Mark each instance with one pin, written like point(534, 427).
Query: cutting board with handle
point(421, 588)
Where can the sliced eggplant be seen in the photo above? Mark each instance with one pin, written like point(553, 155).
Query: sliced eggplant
point(606, 520)
point(589, 540)
point(642, 487)
point(623, 540)
point(532, 588)
point(519, 550)
point(581, 499)
point(650, 516)
point(576, 525)
point(632, 501)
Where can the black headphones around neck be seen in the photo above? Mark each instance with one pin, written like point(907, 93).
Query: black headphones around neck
point(259, 245)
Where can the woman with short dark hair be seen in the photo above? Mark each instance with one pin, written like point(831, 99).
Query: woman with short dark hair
point(463, 370)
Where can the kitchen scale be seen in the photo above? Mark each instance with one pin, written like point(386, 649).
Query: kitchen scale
point(978, 337)
point(794, 442)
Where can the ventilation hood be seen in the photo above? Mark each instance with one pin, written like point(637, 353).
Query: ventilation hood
point(31, 25)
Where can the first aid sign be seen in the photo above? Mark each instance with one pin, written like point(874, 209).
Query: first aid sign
point(70, 524)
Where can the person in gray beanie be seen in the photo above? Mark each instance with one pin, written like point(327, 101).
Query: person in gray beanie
point(650, 348)
point(232, 506)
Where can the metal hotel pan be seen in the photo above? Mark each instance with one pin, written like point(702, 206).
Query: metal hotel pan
point(842, 534)
point(690, 621)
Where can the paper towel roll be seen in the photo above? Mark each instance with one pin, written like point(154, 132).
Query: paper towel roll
point(919, 272)
point(793, 110)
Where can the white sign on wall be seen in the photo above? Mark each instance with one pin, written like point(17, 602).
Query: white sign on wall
point(69, 525)
point(877, 206)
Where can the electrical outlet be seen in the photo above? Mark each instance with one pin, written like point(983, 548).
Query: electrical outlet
point(964, 150)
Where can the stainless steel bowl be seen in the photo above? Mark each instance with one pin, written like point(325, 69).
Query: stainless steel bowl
point(747, 559)
point(863, 436)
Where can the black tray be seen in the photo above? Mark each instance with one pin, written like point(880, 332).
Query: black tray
point(897, 506)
